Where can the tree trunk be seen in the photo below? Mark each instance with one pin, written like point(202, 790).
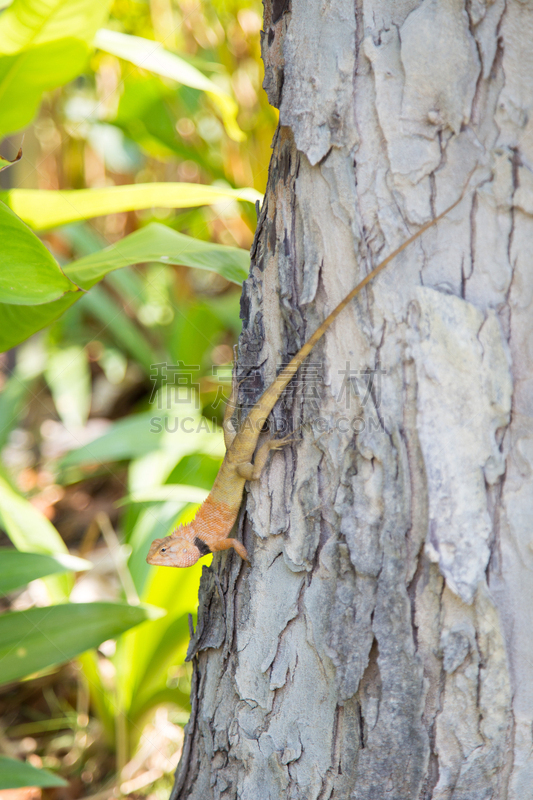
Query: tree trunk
point(381, 644)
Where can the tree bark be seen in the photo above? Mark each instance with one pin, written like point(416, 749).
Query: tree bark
point(381, 644)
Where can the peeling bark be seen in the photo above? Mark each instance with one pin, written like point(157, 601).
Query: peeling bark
point(381, 645)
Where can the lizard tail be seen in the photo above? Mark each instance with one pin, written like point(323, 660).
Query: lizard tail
point(259, 413)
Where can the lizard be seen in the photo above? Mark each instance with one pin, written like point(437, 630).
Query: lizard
point(209, 531)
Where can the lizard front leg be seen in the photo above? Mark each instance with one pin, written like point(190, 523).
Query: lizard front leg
point(252, 472)
point(225, 544)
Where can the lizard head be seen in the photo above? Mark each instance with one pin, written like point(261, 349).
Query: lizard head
point(173, 551)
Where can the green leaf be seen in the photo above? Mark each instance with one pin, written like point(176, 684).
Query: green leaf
point(49, 209)
point(5, 162)
point(18, 323)
point(44, 637)
point(27, 528)
point(152, 56)
point(28, 23)
point(28, 273)
point(157, 242)
point(17, 775)
point(26, 75)
point(17, 569)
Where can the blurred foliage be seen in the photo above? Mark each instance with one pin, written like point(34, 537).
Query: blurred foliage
point(110, 415)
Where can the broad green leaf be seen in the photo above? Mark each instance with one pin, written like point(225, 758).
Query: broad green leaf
point(17, 569)
point(5, 162)
point(69, 377)
point(52, 208)
point(44, 637)
point(18, 774)
point(28, 273)
point(28, 529)
point(152, 56)
point(157, 242)
point(28, 23)
point(18, 323)
point(24, 76)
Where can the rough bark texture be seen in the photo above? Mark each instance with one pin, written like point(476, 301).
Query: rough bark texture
point(381, 644)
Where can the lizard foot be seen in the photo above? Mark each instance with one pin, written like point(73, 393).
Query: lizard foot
point(226, 544)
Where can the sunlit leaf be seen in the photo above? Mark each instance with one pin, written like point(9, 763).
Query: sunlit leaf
point(17, 569)
point(49, 209)
point(18, 774)
point(28, 529)
point(152, 56)
point(28, 273)
point(44, 637)
point(28, 23)
point(157, 242)
point(24, 76)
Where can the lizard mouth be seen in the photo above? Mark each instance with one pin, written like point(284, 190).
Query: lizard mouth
point(154, 547)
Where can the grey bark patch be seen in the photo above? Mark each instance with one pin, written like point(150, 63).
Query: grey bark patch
point(464, 396)
point(317, 90)
point(441, 65)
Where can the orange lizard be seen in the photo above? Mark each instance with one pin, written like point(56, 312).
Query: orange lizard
point(209, 531)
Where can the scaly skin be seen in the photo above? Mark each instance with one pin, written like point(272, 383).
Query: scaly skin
point(208, 532)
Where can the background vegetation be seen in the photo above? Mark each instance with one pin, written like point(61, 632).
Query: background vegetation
point(94, 384)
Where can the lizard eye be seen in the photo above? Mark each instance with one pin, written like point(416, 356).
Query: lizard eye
point(163, 550)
